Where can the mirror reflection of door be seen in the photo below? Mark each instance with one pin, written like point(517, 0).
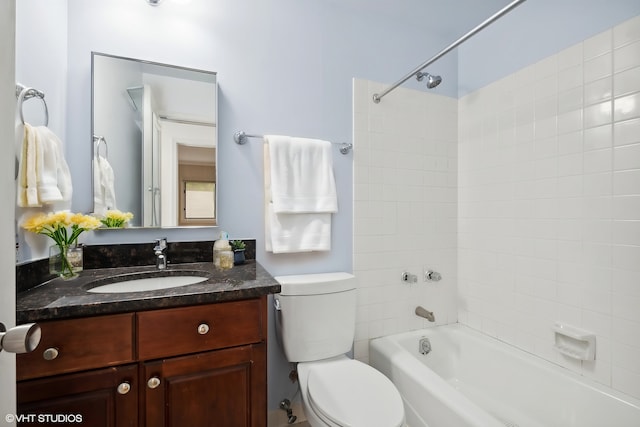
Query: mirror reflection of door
point(197, 183)
point(187, 155)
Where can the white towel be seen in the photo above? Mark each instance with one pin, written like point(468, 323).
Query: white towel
point(104, 194)
point(308, 227)
point(27, 191)
point(43, 174)
point(301, 175)
point(54, 177)
point(288, 233)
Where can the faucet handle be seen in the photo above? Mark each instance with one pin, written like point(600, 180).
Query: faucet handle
point(159, 249)
point(161, 244)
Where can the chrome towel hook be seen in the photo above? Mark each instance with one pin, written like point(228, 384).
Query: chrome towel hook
point(98, 140)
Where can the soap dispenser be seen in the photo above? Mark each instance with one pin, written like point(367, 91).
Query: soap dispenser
point(222, 253)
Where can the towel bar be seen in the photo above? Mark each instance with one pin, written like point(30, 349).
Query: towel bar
point(242, 138)
point(24, 93)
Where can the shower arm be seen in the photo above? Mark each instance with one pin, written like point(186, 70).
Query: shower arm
point(378, 96)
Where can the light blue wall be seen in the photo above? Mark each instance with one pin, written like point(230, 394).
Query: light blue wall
point(534, 30)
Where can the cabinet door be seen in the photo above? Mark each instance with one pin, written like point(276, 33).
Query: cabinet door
point(105, 397)
point(225, 388)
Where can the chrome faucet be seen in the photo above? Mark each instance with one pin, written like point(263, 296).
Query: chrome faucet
point(422, 312)
point(159, 250)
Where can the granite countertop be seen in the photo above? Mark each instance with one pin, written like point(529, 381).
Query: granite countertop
point(59, 299)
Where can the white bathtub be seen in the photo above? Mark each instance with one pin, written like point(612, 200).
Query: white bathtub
point(472, 380)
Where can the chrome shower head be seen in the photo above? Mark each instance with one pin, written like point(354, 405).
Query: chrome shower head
point(432, 81)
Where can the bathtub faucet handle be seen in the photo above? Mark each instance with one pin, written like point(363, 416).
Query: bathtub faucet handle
point(422, 312)
point(408, 277)
point(432, 276)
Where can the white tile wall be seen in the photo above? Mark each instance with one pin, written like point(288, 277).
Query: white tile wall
point(405, 208)
point(549, 204)
point(525, 195)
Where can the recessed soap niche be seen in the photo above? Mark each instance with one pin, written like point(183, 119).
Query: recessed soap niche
point(574, 342)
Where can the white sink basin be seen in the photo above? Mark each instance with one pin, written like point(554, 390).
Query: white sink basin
point(146, 284)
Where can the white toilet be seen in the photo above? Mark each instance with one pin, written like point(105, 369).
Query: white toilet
point(315, 319)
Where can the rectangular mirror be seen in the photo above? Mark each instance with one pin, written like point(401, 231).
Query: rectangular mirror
point(154, 141)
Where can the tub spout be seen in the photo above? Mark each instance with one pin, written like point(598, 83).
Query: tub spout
point(422, 312)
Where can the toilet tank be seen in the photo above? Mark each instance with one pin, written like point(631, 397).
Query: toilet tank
point(316, 315)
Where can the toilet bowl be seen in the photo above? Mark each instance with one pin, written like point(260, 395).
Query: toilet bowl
point(342, 392)
point(315, 324)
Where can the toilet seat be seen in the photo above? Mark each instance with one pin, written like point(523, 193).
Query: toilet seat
point(348, 393)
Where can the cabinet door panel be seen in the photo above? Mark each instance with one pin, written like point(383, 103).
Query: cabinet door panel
point(220, 388)
point(228, 404)
point(91, 397)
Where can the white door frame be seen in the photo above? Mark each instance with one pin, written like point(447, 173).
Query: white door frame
point(7, 210)
point(171, 134)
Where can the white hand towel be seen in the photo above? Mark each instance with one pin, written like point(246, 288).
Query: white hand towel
point(54, 177)
point(293, 232)
point(288, 233)
point(301, 175)
point(27, 192)
point(104, 195)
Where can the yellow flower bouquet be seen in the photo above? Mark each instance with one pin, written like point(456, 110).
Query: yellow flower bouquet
point(64, 228)
point(116, 219)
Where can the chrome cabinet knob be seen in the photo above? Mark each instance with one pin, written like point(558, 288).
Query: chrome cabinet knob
point(153, 382)
point(203, 329)
point(124, 388)
point(50, 353)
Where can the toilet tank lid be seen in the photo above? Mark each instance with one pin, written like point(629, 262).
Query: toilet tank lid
point(313, 284)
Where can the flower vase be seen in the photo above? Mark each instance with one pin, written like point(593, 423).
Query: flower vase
point(75, 256)
point(65, 261)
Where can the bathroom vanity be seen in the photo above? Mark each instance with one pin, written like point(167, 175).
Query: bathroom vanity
point(192, 355)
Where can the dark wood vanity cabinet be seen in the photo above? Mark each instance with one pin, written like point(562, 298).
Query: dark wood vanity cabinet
point(192, 366)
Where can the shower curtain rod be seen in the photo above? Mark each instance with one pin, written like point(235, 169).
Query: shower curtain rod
point(185, 121)
point(377, 97)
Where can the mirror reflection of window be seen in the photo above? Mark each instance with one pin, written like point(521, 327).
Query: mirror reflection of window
point(199, 199)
